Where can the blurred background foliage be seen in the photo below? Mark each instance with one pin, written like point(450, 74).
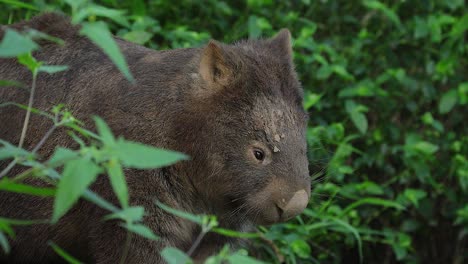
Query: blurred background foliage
point(387, 90)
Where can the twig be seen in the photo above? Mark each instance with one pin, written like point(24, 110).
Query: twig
point(28, 112)
point(8, 168)
point(44, 138)
point(278, 254)
point(36, 148)
point(126, 249)
point(197, 242)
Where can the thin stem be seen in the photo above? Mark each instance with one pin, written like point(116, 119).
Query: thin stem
point(36, 148)
point(8, 168)
point(197, 242)
point(28, 112)
point(126, 249)
point(44, 138)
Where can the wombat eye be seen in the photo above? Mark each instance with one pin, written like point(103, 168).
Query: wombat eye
point(259, 154)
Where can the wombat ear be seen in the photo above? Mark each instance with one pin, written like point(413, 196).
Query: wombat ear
point(214, 68)
point(281, 44)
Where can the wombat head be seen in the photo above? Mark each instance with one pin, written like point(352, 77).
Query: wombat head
point(248, 126)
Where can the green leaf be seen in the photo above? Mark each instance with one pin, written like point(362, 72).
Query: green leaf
point(301, 248)
point(376, 5)
point(137, 155)
point(358, 118)
point(77, 176)
point(141, 230)
point(9, 151)
point(191, 217)
point(32, 109)
point(360, 121)
point(118, 182)
point(10, 186)
point(425, 147)
point(14, 44)
point(175, 256)
point(311, 99)
point(239, 258)
point(232, 233)
point(11, 83)
point(99, 201)
point(22, 222)
point(448, 101)
point(62, 253)
point(51, 69)
point(138, 36)
point(99, 34)
point(30, 62)
point(131, 214)
point(351, 230)
point(4, 243)
point(256, 26)
point(62, 155)
point(19, 4)
point(93, 10)
point(460, 27)
point(414, 195)
point(324, 72)
point(104, 131)
point(372, 201)
point(35, 34)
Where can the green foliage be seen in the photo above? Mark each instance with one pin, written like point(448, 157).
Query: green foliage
point(64, 254)
point(386, 89)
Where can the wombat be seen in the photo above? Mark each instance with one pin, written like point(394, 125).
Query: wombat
point(236, 110)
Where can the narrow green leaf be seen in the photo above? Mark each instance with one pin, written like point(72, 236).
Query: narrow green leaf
point(62, 253)
point(425, 147)
point(32, 109)
point(99, 201)
point(11, 83)
point(99, 34)
point(9, 151)
point(20, 4)
point(414, 195)
point(62, 155)
point(10, 186)
point(448, 101)
point(77, 176)
point(51, 69)
point(360, 121)
point(14, 44)
point(140, 230)
point(104, 131)
point(238, 258)
point(118, 182)
point(20, 222)
point(4, 243)
point(191, 217)
point(30, 62)
point(131, 214)
point(376, 5)
point(138, 36)
point(352, 230)
point(136, 155)
point(372, 201)
point(35, 34)
point(175, 256)
point(232, 233)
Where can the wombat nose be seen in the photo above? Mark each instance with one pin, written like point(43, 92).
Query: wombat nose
point(294, 206)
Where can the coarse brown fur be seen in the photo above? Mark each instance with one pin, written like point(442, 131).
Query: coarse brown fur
point(215, 103)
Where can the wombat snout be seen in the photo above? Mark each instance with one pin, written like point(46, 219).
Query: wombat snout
point(294, 206)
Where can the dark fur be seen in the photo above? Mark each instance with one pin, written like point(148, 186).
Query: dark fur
point(254, 95)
